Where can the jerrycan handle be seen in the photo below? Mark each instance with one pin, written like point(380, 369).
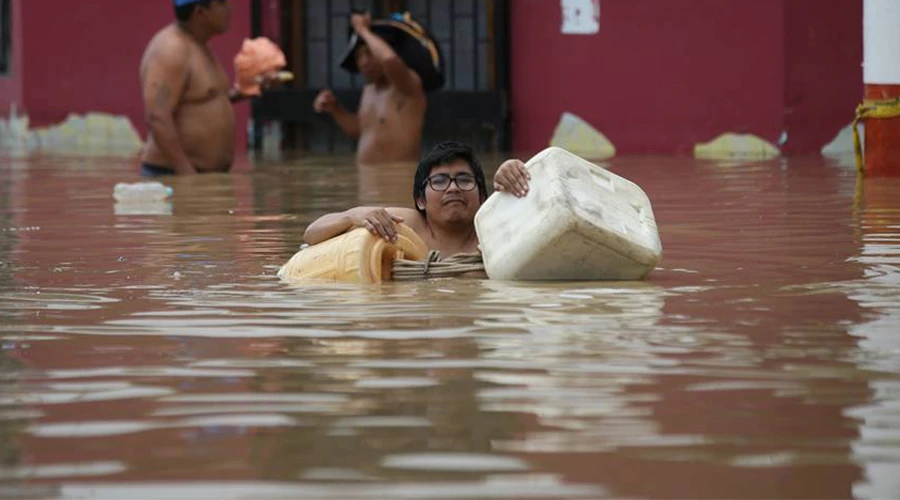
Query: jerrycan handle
point(602, 177)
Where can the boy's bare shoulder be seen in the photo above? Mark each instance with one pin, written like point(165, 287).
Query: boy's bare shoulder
point(411, 217)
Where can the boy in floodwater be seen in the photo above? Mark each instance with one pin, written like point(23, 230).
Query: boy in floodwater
point(448, 189)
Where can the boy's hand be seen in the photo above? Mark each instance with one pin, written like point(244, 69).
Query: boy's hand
point(377, 221)
point(512, 177)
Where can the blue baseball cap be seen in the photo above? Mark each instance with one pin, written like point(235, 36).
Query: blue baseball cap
point(182, 3)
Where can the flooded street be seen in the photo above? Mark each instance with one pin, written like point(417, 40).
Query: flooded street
point(153, 353)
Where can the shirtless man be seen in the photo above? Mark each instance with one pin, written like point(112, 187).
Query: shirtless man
point(187, 95)
point(446, 199)
point(392, 109)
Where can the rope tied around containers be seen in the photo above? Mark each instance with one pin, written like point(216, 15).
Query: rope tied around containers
point(434, 267)
point(879, 109)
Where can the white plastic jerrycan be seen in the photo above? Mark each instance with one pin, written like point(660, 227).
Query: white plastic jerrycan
point(577, 222)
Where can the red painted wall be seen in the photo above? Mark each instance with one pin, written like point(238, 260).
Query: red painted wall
point(824, 53)
point(662, 75)
point(11, 84)
point(85, 56)
point(271, 20)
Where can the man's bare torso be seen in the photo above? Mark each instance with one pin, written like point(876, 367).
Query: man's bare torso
point(204, 117)
point(390, 125)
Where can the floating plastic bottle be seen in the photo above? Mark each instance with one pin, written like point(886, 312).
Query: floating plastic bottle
point(141, 192)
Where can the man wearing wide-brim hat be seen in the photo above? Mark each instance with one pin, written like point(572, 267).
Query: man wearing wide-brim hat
point(400, 62)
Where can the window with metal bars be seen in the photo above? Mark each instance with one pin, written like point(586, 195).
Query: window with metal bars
point(462, 28)
point(5, 37)
point(471, 106)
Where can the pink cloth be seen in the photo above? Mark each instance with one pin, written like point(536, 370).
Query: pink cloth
point(257, 57)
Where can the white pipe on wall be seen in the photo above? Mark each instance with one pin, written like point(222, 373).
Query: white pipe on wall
point(881, 42)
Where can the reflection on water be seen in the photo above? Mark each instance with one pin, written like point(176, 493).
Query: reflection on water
point(153, 353)
point(878, 219)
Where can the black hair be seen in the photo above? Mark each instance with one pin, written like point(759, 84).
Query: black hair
point(184, 13)
point(442, 154)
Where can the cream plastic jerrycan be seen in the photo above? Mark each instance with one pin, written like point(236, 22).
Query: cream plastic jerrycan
point(577, 222)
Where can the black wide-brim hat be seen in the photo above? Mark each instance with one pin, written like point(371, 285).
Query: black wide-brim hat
point(411, 42)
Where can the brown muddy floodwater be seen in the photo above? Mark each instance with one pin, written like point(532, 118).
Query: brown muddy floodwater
point(156, 355)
